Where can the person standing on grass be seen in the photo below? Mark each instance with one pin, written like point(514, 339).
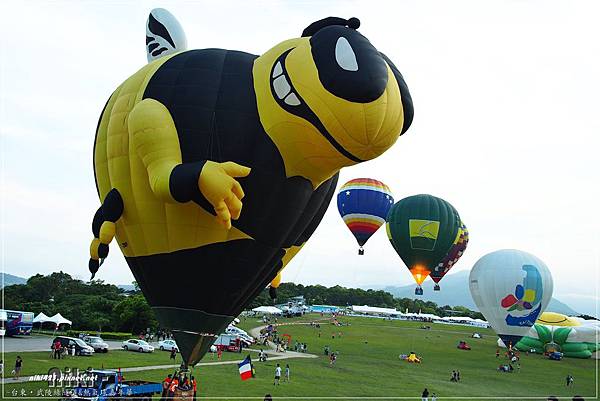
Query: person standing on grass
point(18, 366)
point(570, 380)
point(219, 353)
point(425, 395)
point(497, 353)
point(57, 349)
point(277, 375)
point(287, 372)
point(165, 387)
point(433, 397)
point(194, 386)
point(173, 353)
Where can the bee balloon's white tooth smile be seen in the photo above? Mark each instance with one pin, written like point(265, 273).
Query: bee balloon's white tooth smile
point(282, 87)
point(292, 100)
point(278, 70)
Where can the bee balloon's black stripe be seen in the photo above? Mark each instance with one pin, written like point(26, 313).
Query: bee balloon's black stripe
point(153, 46)
point(159, 29)
point(149, 39)
point(303, 111)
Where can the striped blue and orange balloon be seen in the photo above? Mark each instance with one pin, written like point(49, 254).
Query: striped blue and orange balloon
point(364, 204)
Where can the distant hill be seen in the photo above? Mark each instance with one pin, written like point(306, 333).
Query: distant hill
point(126, 287)
point(455, 292)
point(8, 279)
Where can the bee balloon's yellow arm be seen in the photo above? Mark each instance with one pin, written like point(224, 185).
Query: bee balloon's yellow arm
point(156, 142)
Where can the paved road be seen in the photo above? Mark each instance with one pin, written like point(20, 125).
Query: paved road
point(39, 343)
point(273, 357)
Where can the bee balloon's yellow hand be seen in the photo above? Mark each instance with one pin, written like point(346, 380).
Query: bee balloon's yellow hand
point(218, 185)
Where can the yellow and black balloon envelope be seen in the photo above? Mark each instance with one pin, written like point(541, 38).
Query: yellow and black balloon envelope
point(215, 166)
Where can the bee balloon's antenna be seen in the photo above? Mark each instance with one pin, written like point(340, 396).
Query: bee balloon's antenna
point(313, 28)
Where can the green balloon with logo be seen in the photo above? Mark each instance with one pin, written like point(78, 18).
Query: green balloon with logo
point(422, 228)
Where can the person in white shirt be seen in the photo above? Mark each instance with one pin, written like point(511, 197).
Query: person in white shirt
point(287, 372)
point(433, 397)
point(277, 375)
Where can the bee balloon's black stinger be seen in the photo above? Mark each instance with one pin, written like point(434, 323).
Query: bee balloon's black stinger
point(104, 229)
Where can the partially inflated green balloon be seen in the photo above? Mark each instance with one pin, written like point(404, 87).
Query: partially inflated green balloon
point(422, 228)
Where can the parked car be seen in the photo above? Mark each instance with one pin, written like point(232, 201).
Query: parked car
point(97, 343)
point(168, 345)
point(137, 345)
point(81, 348)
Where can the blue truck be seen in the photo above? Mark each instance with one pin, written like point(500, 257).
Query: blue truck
point(106, 385)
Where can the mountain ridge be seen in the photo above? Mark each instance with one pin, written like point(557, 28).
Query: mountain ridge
point(455, 292)
point(9, 279)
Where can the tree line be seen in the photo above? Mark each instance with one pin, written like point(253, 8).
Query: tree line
point(96, 305)
point(341, 296)
point(92, 305)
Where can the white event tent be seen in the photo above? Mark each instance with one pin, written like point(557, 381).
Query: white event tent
point(271, 310)
point(374, 309)
point(58, 319)
point(41, 318)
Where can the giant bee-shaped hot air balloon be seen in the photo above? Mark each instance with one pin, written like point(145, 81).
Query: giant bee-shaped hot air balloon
point(192, 136)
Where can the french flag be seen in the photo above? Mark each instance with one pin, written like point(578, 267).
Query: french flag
point(245, 368)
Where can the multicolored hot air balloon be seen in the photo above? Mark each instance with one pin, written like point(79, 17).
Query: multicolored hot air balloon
point(454, 254)
point(364, 204)
point(422, 229)
point(511, 288)
point(210, 161)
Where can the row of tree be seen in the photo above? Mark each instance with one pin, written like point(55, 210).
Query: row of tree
point(90, 306)
point(100, 306)
point(341, 296)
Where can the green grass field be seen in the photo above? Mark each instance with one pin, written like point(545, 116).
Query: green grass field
point(368, 366)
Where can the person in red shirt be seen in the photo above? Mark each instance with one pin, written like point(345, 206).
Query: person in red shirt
point(57, 349)
point(165, 385)
point(172, 387)
point(194, 386)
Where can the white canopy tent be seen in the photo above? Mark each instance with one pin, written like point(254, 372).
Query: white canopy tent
point(374, 309)
point(41, 318)
point(271, 310)
point(58, 319)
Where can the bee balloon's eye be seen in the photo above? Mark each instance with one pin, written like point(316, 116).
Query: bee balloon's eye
point(349, 66)
point(344, 55)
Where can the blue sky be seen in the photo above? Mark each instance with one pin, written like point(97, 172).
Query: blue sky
point(506, 127)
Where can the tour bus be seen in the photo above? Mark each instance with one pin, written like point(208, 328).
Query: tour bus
point(18, 322)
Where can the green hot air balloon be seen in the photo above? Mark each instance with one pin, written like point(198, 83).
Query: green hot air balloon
point(422, 229)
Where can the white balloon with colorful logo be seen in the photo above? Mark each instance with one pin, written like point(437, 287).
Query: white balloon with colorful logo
point(511, 288)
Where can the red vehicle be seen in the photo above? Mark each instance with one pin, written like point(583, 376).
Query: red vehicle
point(229, 342)
point(463, 345)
